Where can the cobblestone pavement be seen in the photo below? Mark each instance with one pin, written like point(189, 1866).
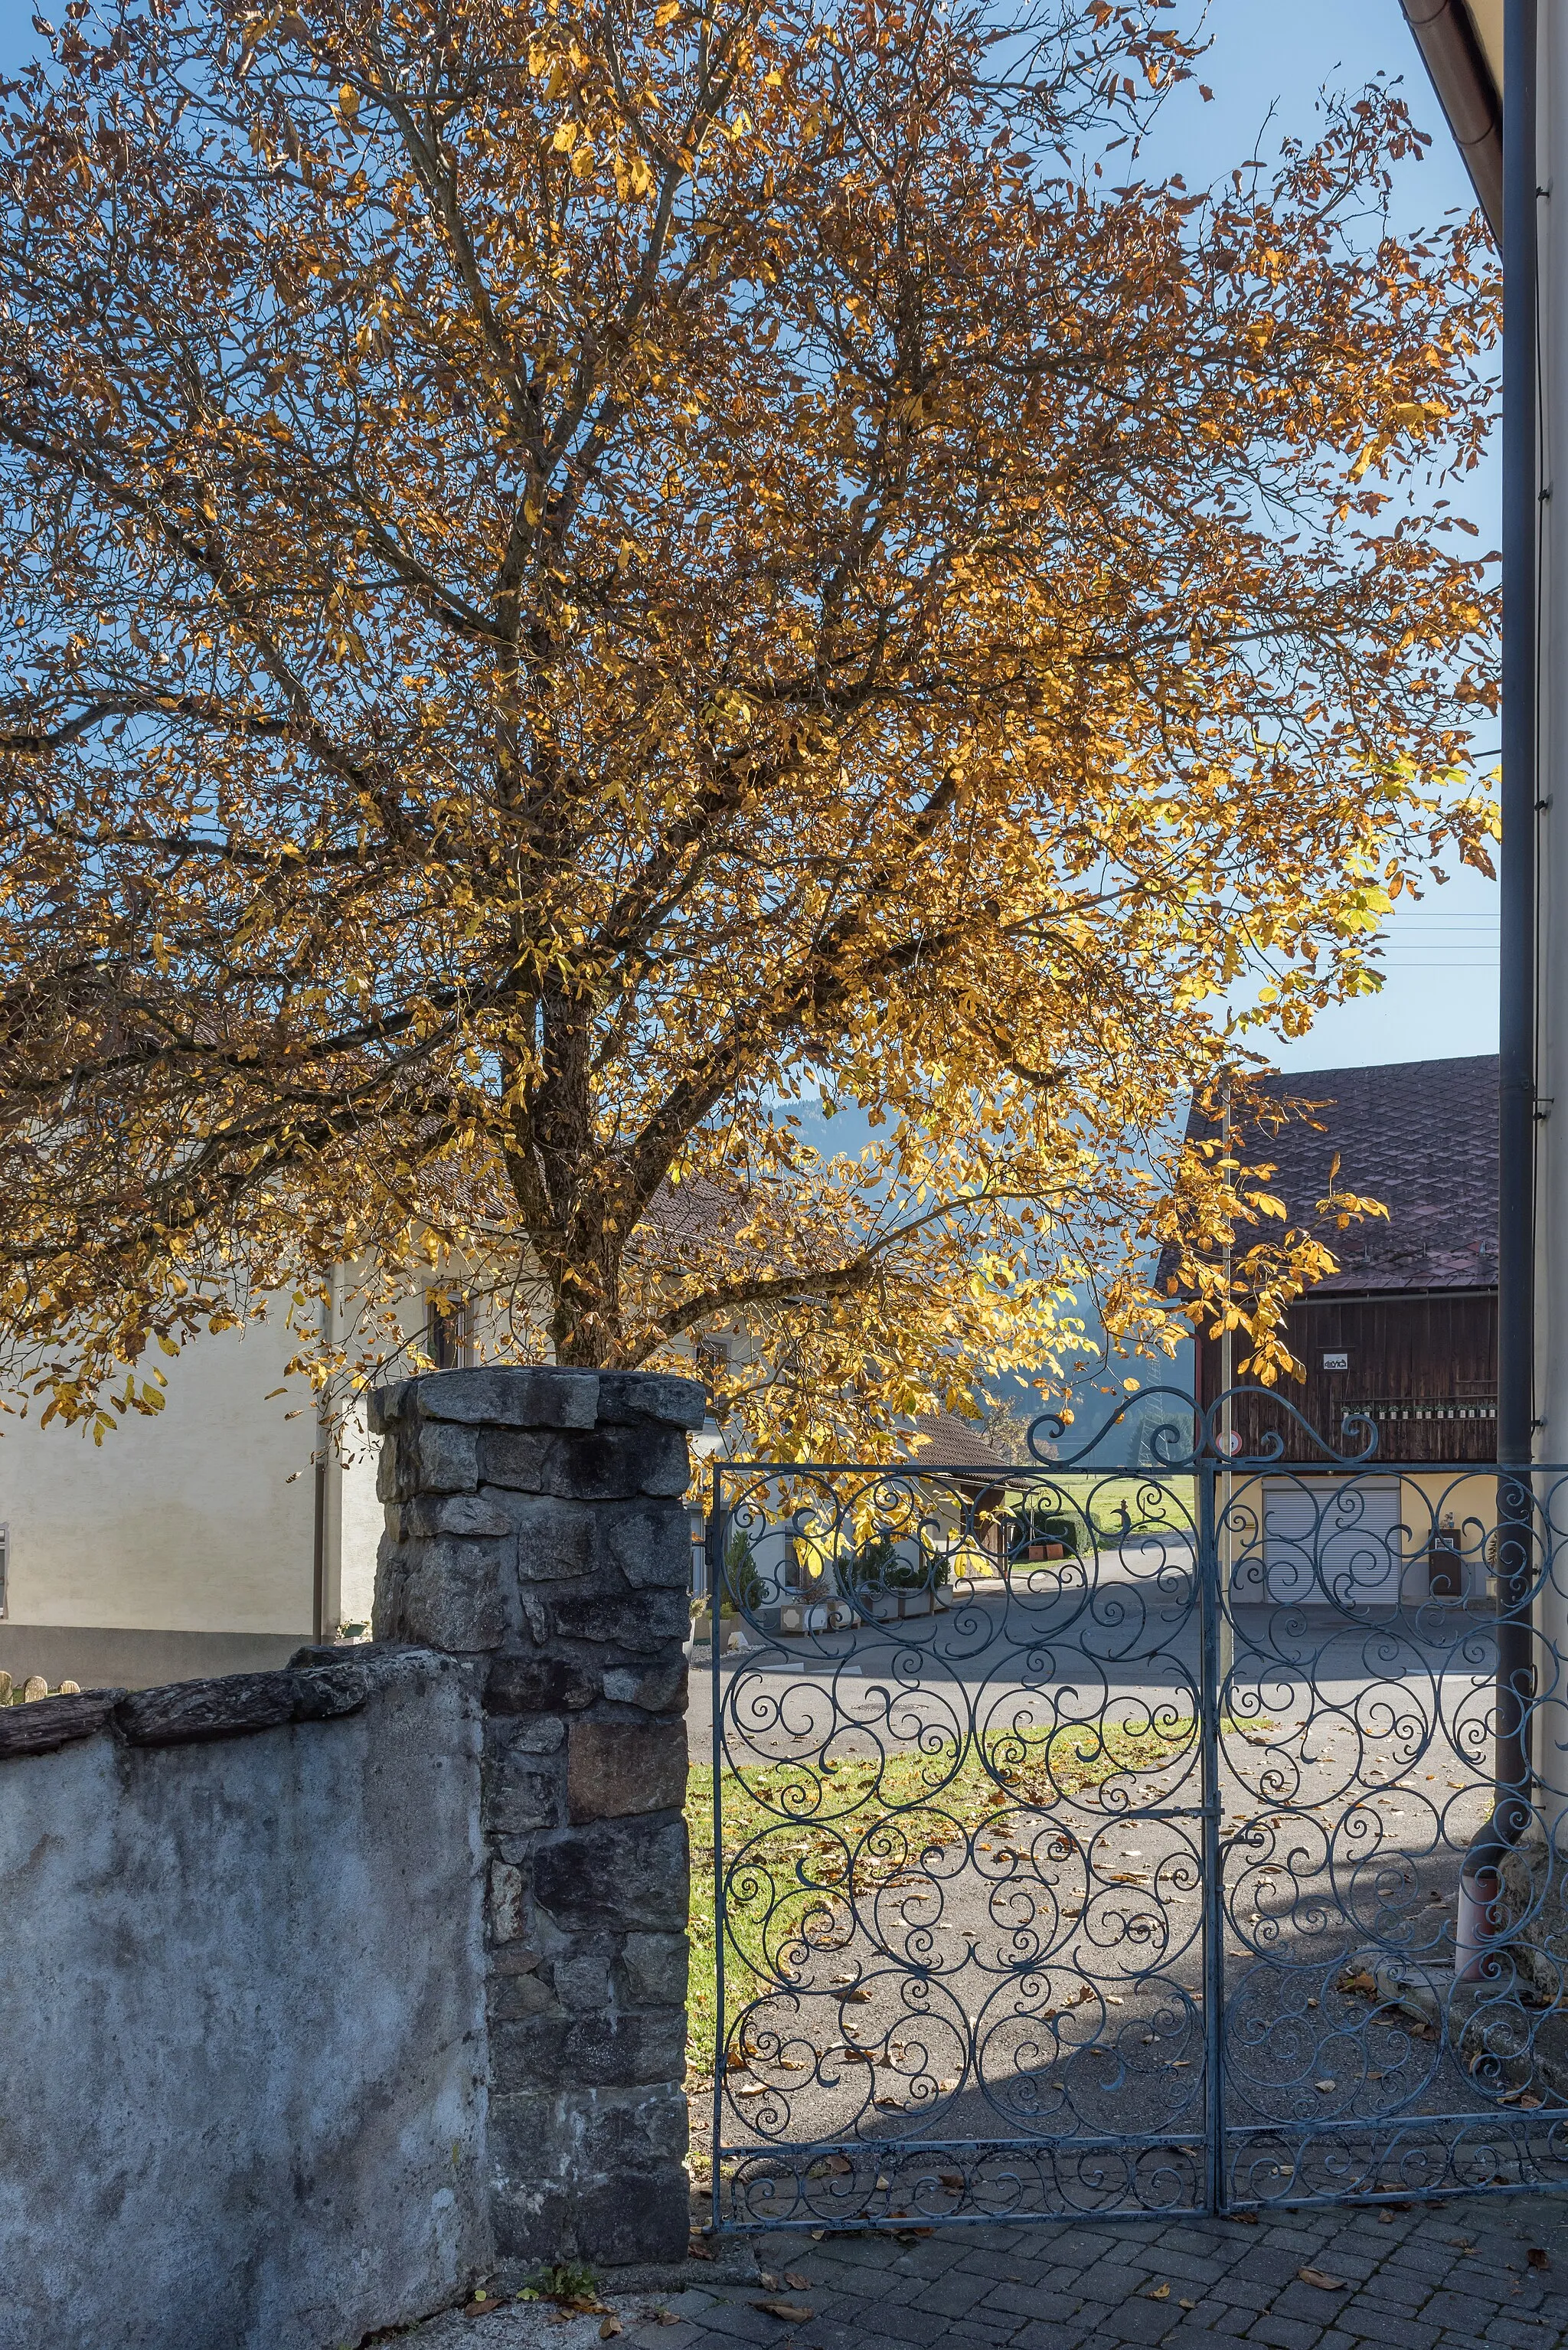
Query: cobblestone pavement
point(1440, 2276)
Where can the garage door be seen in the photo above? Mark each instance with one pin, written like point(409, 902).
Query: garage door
point(1333, 1541)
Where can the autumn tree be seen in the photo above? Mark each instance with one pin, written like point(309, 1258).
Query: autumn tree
point(575, 570)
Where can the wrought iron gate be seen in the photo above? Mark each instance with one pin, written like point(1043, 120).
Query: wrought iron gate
point(1090, 1839)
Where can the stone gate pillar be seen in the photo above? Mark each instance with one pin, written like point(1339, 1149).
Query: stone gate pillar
point(535, 1527)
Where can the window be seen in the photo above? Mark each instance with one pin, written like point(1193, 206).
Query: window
point(446, 1332)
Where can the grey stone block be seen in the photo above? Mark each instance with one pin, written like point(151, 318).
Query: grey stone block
point(529, 1396)
point(517, 1999)
point(189, 1711)
point(434, 1457)
point(446, 1594)
point(652, 1395)
point(50, 1723)
point(657, 1689)
point(532, 1734)
point(655, 1967)
point(528, 1684)
point(384, 1407)
point(556, 1539)
point(592, 2050)
point(638, 2216)
point(582, 1978)
point(323, 1692)
point(425, 1515)
point(652, 1546)
point(616, 1464)
point(615, 1769)
point(514, 1457)
point(644, 1623)
point(617, 1874)
point(609, 2127)
point(622, 2149)
point(522, 1794)
point(506, 1901)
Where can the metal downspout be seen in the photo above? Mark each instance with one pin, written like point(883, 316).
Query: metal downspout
point(1479, 1917)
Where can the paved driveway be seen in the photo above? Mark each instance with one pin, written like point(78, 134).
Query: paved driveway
point(1442, 2276)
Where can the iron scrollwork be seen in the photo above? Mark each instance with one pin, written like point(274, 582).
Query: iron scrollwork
point(1088, 1837)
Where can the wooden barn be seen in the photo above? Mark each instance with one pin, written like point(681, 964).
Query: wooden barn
point(1404, 1332)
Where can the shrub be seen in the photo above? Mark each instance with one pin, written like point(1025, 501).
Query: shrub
point(743, 1585)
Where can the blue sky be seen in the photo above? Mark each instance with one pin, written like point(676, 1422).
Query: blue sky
point(1440, 998)
point(1267, 63)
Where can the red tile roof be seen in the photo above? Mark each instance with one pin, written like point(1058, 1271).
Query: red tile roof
point(955, 1443)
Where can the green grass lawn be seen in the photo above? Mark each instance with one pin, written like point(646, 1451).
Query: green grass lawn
point(822, 1834)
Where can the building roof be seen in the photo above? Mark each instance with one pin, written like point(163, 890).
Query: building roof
point(1419, 1136)
point(955, 1443)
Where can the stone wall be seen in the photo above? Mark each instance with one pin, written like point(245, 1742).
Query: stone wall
point(322, 1990)
point(536, 1529)
point(241, 2008)
point(1533, 1914)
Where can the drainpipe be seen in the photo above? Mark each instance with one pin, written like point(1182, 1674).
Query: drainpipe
point(1467, 92)
point(1479, 1916)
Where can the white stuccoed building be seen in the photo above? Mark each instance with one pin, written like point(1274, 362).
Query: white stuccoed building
point(203, 1540)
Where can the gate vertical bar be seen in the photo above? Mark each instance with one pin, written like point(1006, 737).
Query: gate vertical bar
point(713, 1563)
point(1208, 1699)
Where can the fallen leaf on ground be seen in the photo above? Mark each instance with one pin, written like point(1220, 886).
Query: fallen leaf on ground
point(698, 2251)
point(612, 2325)
point(790, 2312)
point(1537, 2258)
point(1187, 2305)
point(1158, 2293)
point(796, 2283)
point(1323, 2282)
